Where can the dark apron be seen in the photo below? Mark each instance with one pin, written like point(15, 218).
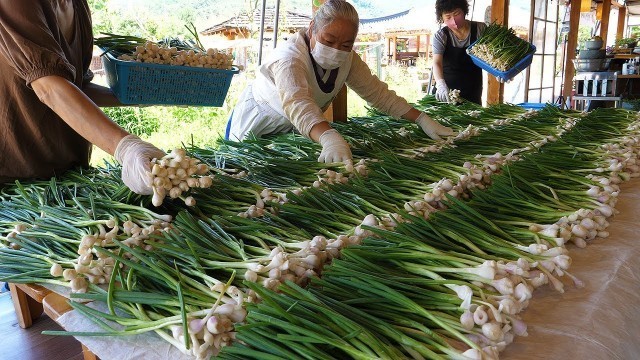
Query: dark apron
point(459, 70)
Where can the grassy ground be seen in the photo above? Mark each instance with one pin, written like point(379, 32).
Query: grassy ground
point(169, 127)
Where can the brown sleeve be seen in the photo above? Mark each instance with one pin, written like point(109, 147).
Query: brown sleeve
point(87, 33)
point(30, 40)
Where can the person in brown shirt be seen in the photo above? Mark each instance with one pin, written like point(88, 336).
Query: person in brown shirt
point(49, 114)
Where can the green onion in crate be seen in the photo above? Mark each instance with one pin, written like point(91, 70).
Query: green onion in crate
point(169, 51)
point(500, 47)
point(118, 44)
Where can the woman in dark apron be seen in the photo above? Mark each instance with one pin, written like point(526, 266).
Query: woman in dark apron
point(452, 66)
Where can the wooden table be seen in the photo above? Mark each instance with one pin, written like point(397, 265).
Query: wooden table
point(27, 301)
point(54, 306)
point(31, 300)
point(635, 76)
point(626, 56)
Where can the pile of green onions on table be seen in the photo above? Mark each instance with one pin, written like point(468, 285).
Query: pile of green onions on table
point(430, 251)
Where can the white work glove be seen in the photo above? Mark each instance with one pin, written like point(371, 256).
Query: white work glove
point(502, 80)
point(432, 128)
point(135, 157)
point(334, 147)
point(442, 91)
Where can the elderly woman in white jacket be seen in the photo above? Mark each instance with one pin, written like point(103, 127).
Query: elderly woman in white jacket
point(301, 78)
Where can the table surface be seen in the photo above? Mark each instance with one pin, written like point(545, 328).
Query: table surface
point(600, 321)
point(626, 56)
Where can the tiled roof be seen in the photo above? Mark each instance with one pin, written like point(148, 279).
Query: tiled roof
point(421, 19)
point(288, 20)
point(384, 18)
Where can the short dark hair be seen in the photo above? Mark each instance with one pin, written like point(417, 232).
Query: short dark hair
point(443, 6)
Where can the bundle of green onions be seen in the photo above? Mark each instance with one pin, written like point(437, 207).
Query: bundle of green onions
point(170, 51)
point(500, 47)
point(126, 44)
point(118, 44)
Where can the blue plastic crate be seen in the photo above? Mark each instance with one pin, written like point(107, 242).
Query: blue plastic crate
point(506, 75)
point(135, 82)
point(535, 106)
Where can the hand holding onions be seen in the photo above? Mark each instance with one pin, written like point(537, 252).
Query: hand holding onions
point(148, 170)
point(135, 157)
point(175, 174)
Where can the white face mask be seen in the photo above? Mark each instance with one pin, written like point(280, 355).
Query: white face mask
point(327, 57)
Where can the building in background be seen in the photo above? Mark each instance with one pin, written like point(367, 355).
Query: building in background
point(239, 33)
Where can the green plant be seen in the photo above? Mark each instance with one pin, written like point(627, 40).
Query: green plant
point(626, 42)
point(137, 121)
point(633, 104)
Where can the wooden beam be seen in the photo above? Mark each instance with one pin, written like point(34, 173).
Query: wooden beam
point(572, 43)
point(499, 14)
point(427, 47)
point(604, 22)
point(337, 111)
point(622, 16)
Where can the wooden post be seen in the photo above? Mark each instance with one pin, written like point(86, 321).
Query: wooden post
point(337, 111)
point(394, 49)
point(622, 15)
point(388, 41)
point(572, 43)
point(604, 22)
point(426, 50)
point(499, 14)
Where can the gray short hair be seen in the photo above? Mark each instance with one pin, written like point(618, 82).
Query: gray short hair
point(333, 9)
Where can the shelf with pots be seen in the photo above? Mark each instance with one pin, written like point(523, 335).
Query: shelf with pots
point(592, 57)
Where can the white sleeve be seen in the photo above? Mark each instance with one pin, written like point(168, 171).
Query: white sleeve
point(298, 104)
point(374, 91)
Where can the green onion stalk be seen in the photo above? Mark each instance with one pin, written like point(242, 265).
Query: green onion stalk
point(265, 164)
point(432, 106)
point(64, 228)
point(369, 137)
point(570, 195)
point(451, 115)
point(486, 242)
point(227, 196)
point(260, 250)
point(117, 44)
point(296, 324)
point(21, 267)
point(425, 308)
point(154, 295)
